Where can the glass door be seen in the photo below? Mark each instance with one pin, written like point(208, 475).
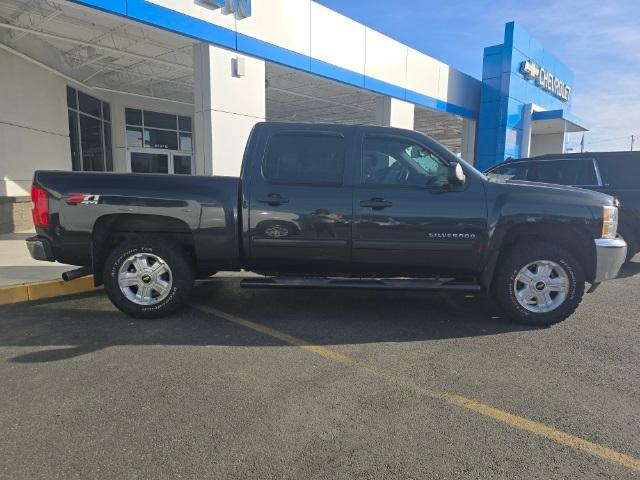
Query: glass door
point(159, 142)
point(159, 161)
point(181, 164)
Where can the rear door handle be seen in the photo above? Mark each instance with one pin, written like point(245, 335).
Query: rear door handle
point(375, 203)
point(274, 199)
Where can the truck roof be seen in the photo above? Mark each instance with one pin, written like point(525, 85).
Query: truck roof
point(270, 125)
point(635, 156)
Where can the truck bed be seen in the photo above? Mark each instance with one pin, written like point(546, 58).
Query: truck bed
point(81, 204)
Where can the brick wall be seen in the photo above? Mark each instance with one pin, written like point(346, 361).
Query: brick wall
point(15, 214)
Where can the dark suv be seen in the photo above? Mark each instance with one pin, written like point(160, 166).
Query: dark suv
point(614, 173)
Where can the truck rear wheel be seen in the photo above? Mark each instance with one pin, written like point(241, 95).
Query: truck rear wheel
point(148, 278)
point(538, 284)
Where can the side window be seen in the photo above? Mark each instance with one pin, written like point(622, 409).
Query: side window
point(620, 173)
point(514, 171)
point(311, 159)
point(397, 161)
point(568, 172)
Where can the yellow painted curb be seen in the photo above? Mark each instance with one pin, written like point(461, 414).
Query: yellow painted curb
point(40, 290)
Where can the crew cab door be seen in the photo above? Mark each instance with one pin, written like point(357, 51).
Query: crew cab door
point(407, 218)
point(299, 206)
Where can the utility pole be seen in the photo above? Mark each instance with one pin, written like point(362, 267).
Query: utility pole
point(633, 139)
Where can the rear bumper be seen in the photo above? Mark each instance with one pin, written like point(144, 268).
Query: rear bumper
point(40, 249)
point(610, 255)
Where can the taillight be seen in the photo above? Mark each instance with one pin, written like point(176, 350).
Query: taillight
point(40, 212)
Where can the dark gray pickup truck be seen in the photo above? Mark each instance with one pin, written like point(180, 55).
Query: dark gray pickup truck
point(331, 206)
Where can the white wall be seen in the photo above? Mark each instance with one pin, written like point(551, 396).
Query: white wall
point(468, 140)
point(346, 45)
point(286, 23)
point(226, 107)
point(386, 59)
point(391, 112)
point(547, 143)
point(34, 129)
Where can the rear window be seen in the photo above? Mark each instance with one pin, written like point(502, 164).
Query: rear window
point(300, 158)
point(567, 172)
point(620, 173)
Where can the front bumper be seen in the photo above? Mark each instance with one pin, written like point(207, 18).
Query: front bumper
point(610, 255)
point(40, 249)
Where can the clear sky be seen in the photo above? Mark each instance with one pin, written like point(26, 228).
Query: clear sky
point(599, 40)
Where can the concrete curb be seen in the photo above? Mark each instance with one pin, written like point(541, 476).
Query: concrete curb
point(35, 291)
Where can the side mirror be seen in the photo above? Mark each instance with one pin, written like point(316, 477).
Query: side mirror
point(456, 175)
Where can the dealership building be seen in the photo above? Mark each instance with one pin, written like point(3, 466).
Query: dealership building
point(175, 86)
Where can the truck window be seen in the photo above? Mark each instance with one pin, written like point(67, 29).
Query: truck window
point(568, 172)
point(310, 159)
point(620, 173)
point(513, 171)
point(401, 162)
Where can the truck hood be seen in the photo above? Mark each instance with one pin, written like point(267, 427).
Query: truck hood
point(553, 191)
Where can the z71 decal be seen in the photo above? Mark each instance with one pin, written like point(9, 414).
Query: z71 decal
point(83, 199)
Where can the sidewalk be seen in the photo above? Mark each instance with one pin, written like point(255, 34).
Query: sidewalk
point(23, 278)
point(17, 267)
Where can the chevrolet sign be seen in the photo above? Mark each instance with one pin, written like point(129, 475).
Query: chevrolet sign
point(546, 80)
point(242, 8)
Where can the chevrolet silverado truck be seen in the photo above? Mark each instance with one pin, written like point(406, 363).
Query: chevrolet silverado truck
point(331, 206)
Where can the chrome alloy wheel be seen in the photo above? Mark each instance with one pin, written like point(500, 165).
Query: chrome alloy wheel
point(541, 286)
point(145, 279)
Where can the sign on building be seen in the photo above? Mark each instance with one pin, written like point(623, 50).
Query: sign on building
point(242, 8)
point(546, 80)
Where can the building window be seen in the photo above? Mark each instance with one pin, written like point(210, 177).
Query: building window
point(159, 142)
point(89, 132)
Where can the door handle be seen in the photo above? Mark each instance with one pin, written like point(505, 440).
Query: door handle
point(375, 203)
point(274, 199)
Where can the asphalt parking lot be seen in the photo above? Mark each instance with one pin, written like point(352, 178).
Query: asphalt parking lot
point(317, 384)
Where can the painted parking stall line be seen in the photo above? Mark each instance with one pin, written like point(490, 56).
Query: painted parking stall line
point(494, 413)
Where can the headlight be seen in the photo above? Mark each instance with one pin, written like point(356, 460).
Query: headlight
point(609, 222)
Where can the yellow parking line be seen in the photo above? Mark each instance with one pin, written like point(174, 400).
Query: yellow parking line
point(502, 416)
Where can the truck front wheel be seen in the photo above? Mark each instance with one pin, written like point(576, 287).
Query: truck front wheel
point(538, 284)
point(147, 277)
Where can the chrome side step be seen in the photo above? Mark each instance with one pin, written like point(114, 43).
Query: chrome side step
point(433, 285)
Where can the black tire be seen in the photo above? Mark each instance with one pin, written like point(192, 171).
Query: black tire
point(180, 270)
point(514, 260)
point(632, 243)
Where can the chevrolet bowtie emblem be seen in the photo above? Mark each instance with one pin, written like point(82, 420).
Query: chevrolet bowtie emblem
point(530, 69)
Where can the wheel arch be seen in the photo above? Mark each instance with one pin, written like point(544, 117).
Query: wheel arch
point(110, 230)
point(631, 232)
point(578, 242)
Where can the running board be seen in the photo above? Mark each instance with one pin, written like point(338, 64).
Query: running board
point(433, 285)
